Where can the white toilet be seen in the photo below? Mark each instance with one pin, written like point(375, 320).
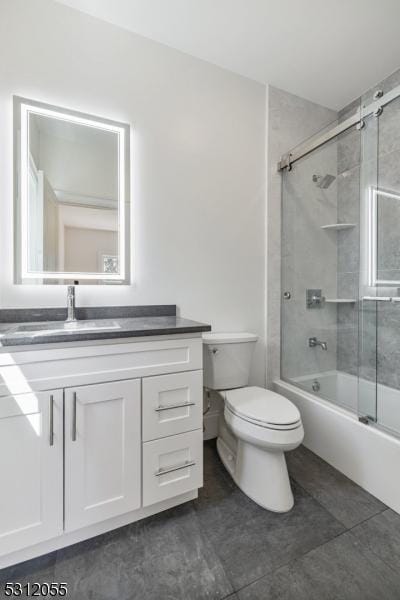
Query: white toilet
point(258, 425)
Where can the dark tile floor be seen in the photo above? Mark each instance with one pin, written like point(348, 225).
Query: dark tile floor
point(338, 543)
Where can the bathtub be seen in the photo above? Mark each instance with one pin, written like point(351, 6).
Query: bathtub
point(367, 454)
point(352, 393)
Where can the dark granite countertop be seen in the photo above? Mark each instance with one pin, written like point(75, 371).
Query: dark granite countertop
point(40, 331)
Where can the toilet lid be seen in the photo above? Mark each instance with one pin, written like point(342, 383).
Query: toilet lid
point(262, 407)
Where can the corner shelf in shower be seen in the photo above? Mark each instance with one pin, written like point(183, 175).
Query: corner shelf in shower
point(341, 300)
point(338, 226)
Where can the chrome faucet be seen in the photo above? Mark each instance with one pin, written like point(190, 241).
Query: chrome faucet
point(71, 316)
point(313, 342)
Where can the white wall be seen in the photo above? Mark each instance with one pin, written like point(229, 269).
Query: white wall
point(95, 241)
point(198, 162)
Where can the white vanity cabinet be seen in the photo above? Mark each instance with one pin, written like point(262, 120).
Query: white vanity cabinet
point(31, 469)
point(119, 438)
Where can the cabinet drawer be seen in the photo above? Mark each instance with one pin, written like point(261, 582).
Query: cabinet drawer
point(172, 404)
point(172, 466)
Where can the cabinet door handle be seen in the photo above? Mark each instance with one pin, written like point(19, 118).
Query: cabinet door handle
point(188, 463)
point(51, 420)
point(160, 408)
point(74, 418)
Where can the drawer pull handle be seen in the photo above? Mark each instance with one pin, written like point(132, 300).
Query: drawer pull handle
point(160, 408)
point(188, 463)
point(51, 418)
point(73, 436)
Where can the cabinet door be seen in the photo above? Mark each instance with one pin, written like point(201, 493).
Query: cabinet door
point(102, 452)
point(31, 469)
point(172, 404)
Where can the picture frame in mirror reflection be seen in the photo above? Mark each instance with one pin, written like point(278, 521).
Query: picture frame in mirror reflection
point(71, 196)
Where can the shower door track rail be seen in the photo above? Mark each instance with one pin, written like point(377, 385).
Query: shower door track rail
point(374, 108)
point(393, 299)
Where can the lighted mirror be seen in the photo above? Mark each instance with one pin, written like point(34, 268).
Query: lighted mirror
point(71, 196)
point(383, 237)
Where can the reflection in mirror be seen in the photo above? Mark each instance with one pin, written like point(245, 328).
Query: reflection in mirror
point(383, 237)
point(73, 215)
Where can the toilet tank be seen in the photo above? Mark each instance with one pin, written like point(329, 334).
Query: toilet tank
point(227, 359)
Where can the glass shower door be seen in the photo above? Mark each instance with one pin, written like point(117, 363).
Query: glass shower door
point(382, 140)
point(341, 267)
point(369, 293)
point(309, 264)
point(320, 270)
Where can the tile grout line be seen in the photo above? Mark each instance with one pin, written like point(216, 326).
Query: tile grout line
point(292, 561)
point(284, 563)
point(289, 562)
point(228, 578)
point(370, 547)
point(334, 516)
point(346, 530)
point(316, 548)
point(368, 518)
point(323, 507)
point(317, 501)
point(203, 533)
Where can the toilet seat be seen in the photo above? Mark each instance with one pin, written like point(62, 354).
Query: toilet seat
point(263, 408)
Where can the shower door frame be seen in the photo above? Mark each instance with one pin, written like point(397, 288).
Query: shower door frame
point(357, 118)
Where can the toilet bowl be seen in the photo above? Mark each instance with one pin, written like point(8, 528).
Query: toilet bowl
point(257, 426)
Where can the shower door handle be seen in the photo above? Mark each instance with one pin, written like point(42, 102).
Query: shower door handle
point(378, 298)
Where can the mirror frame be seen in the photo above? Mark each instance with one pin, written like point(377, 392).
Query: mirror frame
point(23, 107)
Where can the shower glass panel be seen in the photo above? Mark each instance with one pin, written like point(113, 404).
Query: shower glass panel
point(384, 254)
point(369, 293)
point(320, 270)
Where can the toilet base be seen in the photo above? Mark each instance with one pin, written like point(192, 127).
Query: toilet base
point(262, 475)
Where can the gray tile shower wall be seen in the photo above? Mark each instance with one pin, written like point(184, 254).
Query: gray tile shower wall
point(307, 208)
point(348, 243)
point(291, 120)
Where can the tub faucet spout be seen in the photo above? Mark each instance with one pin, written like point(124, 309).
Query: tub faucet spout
point(313, 342)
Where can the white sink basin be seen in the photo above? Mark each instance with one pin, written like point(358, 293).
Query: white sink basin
point(66, 327)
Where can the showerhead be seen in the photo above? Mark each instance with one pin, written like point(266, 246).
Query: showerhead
point(323, 181)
